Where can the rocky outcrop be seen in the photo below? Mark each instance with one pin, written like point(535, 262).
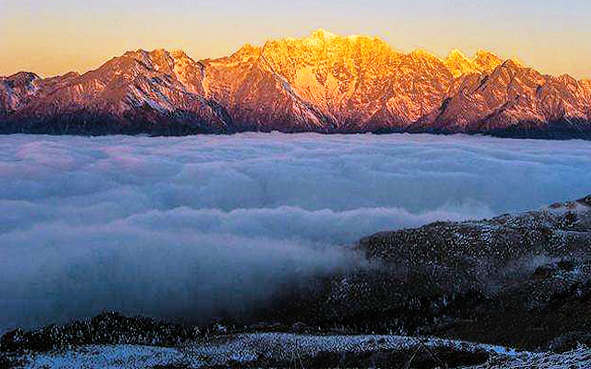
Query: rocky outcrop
point(106, 328)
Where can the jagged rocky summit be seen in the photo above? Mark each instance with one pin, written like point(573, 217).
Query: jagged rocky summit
point(321, 83)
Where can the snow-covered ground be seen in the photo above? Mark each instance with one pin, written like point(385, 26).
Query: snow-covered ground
point(281, 347)
point(579, 358)
point(104, 356)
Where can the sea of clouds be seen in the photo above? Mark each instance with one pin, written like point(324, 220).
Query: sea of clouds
point(199, 226)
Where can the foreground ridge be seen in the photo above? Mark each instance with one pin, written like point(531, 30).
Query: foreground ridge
point(322, 83)
point(520, 280)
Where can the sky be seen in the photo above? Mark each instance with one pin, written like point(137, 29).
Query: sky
point(191, 226)
point(52, 37)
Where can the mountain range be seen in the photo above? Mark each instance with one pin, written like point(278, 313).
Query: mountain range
point(322, 83)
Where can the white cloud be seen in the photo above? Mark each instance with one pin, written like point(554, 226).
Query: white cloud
point(187, 226)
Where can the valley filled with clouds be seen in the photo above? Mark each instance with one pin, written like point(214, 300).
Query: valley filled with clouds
point(194, 227)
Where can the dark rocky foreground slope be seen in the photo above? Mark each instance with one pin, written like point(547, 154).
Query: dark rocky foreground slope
point(516, 280)
point(322, 83)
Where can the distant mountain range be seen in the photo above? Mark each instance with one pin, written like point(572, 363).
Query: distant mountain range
point(323, 83)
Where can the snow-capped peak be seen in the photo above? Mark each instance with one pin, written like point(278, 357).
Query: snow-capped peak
point(321, 33)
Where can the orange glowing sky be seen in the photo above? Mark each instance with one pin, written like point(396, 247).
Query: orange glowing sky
point(52, 37)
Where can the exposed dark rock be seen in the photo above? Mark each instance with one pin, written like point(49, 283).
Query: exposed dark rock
point(106, 328)
point(570, 341)
point(5, 362)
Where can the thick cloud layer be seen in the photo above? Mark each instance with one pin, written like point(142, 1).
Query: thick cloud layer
point(195, 226)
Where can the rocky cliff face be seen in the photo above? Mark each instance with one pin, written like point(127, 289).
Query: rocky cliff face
point(16, 90)
point(513, 97)
point(323, 83)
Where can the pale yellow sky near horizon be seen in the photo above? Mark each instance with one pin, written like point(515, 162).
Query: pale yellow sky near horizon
point(53, 37)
